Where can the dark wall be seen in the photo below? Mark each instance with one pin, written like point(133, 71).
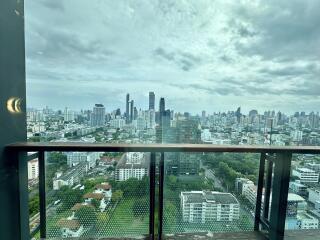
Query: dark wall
point(12, 125)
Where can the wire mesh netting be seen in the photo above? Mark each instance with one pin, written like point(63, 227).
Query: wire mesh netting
point(303, 205)
point(209, 192)
point(97, 194)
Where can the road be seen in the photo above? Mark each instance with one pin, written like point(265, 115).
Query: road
point(209, 173)
point(35, 220)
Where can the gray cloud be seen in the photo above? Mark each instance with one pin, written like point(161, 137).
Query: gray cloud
point(256, 53)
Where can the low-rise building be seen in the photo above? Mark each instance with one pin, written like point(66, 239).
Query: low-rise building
point(250, 193)
point(207, 206)
point(298, 188)
point(132, 165)
point(70, 228)
point(307, 221)
point(105, 189)
point(89, 197)
point(306, 175)
point(314, 166)
point(241, 184)
point(74, 158)
point(71, 177)
point(314, 195)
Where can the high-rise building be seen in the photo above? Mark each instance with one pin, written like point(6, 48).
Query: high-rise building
point(127, 108)
point(161, 110)
point(68, 115)
point(135, 113)
point(33, 169)
point(98, 115)
point(151, 100)
point(131, 110)
point(188, 132)
point(238, 114)
point(118, 112)
point(162, 106)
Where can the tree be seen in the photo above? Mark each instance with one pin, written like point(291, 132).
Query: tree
point(117, 196)
point(140, 208)
point(55, 161)
point(69, 197)
point(95, 203)
point(86, 216)
point(134, 187)
point(34, 205)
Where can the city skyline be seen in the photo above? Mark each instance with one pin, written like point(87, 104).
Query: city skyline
point(126, 109)
point(208, 55)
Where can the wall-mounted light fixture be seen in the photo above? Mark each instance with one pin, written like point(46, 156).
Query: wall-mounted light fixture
point(14, 105)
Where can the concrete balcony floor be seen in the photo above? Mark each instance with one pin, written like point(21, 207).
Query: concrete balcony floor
point(289, 235)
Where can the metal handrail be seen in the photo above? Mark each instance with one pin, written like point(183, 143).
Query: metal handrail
point(72, 146)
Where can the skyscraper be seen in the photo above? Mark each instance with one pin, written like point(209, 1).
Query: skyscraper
point(162, 106)
point(98, 115)
point(135, 113)
point(188, 132)
point(161, 110)
point(238, 114)
point(151, 100)
point(127, 108)
point(131, 110)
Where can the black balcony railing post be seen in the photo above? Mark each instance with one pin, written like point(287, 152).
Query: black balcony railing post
point(23, 194)
point(161, 186)
point(152, 194)
point(266, 204)
point(42, 194)
point(280, 190)
point(259, 192)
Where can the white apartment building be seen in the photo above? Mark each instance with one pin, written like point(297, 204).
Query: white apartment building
point(314, 166)
point(314, 195)
point(134, 157)
point(306, 175)
point(298, 188)
point(241, 184)
point(250, 192)
point(117, 123)
point(74, 158)
point(132, 165)
point(33, 169)
point(207, 206)
point(307, 221)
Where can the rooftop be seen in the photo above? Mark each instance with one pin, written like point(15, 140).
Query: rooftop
point(77, 206)
point(104, 186)
point(212, 197)
point(305, 170)
point(295, 197)
point(97, 196)
point(67, 223)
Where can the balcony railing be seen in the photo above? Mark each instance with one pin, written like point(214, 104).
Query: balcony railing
point(268, 223)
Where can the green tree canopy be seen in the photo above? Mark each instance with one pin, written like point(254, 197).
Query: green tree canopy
point(117, 196)
point(86, 216)
point(140, 208)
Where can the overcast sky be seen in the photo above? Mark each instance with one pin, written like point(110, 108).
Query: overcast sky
point(211, 55)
